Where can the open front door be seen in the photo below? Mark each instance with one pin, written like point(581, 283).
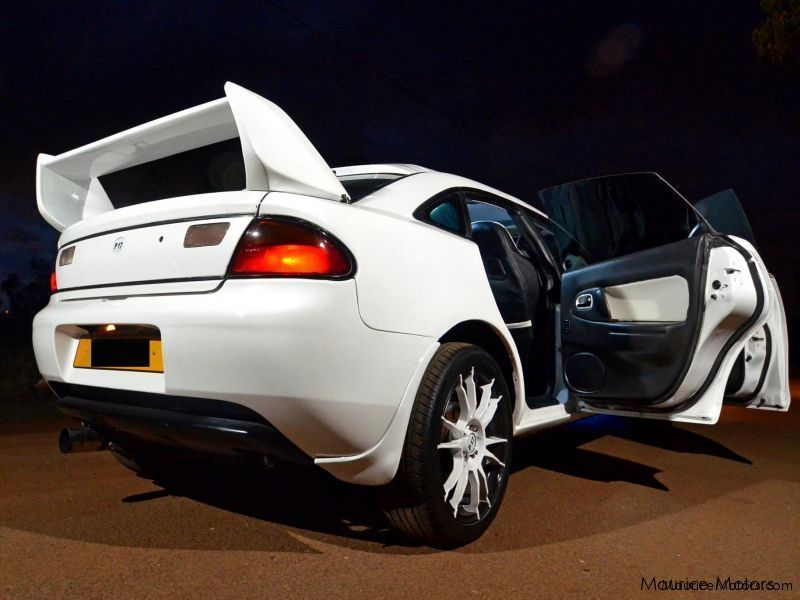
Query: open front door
point(655, 305)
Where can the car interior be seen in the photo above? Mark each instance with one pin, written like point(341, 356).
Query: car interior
point(522, 282)
point(521, 273)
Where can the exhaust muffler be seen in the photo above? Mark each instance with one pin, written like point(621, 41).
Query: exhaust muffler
point(83, 439)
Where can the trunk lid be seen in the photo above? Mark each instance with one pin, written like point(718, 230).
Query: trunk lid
point(129, 250)
point(108, 249)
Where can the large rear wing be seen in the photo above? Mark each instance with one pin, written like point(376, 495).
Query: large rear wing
point(277, 155)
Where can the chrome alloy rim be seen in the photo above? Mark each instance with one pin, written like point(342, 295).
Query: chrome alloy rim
point(466, 435)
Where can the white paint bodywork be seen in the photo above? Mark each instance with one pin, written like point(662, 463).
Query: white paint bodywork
point(333, 365)
point(295, 351)
point(755, 351)
point(277, 155)
point(394, 169)
point(140, 244)
point(774, 391)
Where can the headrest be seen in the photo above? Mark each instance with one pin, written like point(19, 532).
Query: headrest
point(493, 239)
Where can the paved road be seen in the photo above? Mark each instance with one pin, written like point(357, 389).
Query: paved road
point(592, 508)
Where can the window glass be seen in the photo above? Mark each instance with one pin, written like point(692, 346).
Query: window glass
point(215, 168)
point(725, 214)
point(603, 218)
point(479, 209)
point(447, 214)
point(546, 234)
point(361, 186)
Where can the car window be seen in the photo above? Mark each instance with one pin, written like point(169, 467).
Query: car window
point(480, 208)
point(361, 186)
point(446, 213)
point(607, 217)
point(725, 214)
point(549, 239)
point(215, 168)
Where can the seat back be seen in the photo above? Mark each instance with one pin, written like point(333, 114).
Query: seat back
point(513, 278)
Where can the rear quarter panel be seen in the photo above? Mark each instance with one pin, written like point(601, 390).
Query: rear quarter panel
point(411, 277)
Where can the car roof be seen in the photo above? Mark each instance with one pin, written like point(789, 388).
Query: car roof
point(377, 169)
point(417, 185)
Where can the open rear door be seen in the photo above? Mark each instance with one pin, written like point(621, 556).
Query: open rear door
point(656, 306)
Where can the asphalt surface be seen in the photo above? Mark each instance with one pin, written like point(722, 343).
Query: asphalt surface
point(592, 508)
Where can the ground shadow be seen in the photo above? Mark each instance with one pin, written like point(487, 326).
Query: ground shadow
point(245, 507)
point(317, 504)
point(594, 466)
point(144, 497)
point(303, 497)
point(560, 449)
point(667, 436)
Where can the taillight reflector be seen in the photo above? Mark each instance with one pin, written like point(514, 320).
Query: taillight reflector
point(67, 254)
point(53, 283)
point(276, 247)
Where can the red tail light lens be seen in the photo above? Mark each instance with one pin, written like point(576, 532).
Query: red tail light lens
point(277, 247)
point(53, 283)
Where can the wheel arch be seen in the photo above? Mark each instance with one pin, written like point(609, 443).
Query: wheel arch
point(499, 346)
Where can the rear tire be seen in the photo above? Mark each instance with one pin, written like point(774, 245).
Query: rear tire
point(452, 476)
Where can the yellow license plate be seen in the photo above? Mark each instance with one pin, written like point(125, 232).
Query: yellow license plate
point(120, 355)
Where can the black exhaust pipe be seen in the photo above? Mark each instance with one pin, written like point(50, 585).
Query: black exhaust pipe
point(83, 439)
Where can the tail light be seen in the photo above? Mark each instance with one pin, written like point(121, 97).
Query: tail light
point(53, 283)
point(289, 248)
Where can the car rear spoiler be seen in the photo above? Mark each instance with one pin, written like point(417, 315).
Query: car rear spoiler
point(277, 155)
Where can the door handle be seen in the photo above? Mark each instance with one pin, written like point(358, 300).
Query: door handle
point(584, 301)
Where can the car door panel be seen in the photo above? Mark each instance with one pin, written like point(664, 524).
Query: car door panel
point(759, 378)
point(636, 362)
point(751, 366)
point(730, 308)
point(773, 393)
point(734, 306)
point(662, 315)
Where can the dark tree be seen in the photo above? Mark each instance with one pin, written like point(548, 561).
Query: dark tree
point(778, 37)
point(25, 299)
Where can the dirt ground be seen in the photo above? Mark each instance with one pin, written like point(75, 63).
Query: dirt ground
point(592, 508)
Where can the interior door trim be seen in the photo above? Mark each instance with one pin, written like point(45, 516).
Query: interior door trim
point(661, 299)
point(698, 272)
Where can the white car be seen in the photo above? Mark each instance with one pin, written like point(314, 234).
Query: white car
point(393, 325)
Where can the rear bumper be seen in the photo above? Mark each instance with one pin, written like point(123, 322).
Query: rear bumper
point(294, 352)
point(134, 419)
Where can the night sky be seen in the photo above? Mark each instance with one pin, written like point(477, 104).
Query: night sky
point(520, 97)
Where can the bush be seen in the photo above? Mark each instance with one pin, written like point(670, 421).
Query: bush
point(22, 393)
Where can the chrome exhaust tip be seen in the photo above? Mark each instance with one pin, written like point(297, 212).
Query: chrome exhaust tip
point(83, 439)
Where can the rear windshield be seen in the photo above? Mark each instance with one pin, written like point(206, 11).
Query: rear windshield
point(215, 168)
point(361, 186)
